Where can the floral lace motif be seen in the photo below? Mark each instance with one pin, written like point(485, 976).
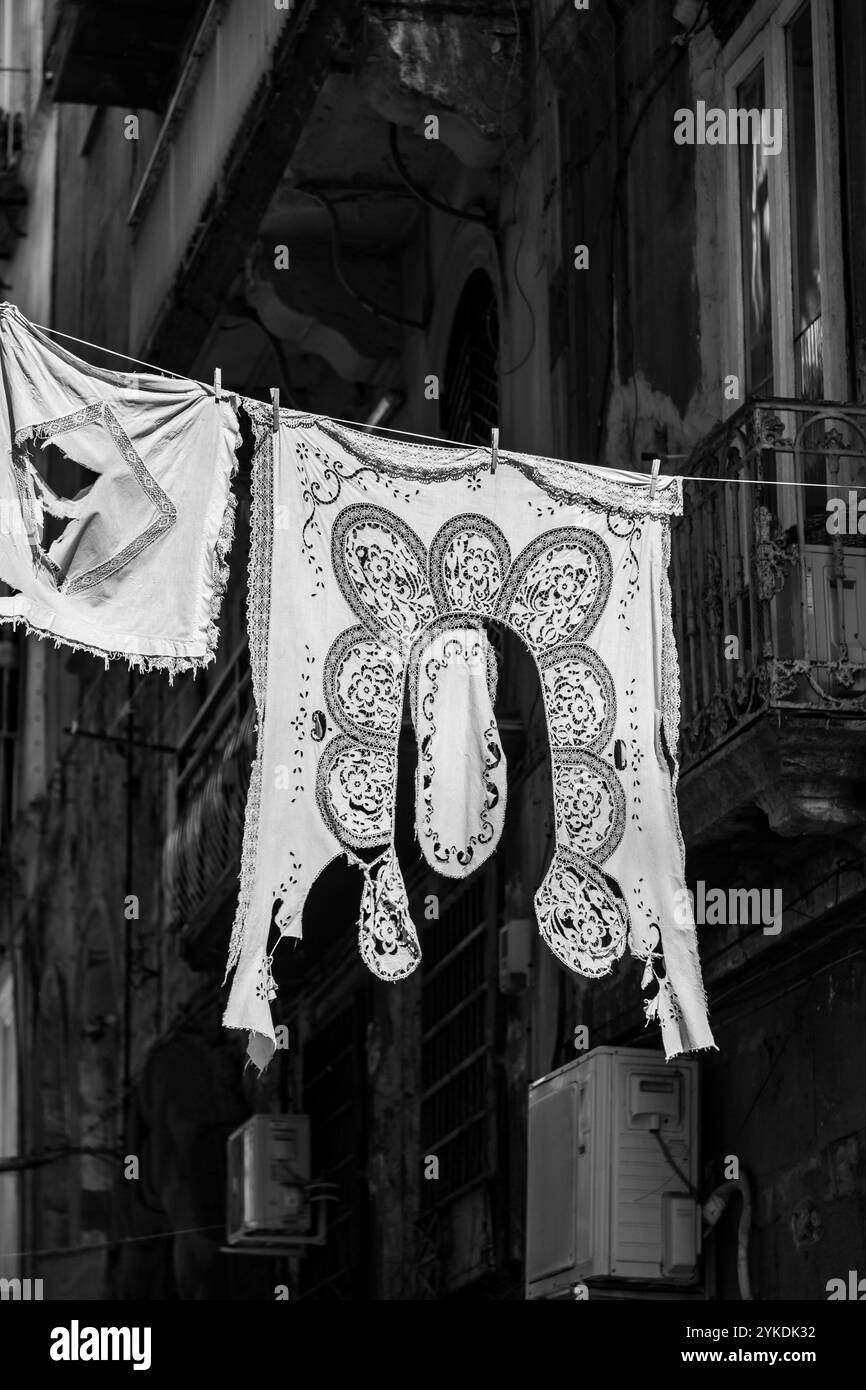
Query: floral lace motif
point(557, 588)
point(355, 792)
point(582, 915)
point(380, 567)
point(364, 687)
point(580, 696)
point(387, 939)
point(553, 594)
point(589, 802)
point(469, 559)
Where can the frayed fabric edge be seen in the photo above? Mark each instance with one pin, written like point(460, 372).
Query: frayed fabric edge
point(255, 1051)
point(222, 550)
point(691, 1051)
point(174, 665)
point(258, 625)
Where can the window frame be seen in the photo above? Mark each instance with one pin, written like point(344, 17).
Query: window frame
point(763, 37)
point(461, 328)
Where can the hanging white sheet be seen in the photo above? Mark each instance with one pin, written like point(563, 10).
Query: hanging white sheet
point(140, 565)
point(375, 563)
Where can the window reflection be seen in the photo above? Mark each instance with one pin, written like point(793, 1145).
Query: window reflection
point(808, 341)
point(755, 237)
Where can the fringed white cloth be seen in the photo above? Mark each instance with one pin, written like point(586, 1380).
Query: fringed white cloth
point(376, 563)
point(139, 568)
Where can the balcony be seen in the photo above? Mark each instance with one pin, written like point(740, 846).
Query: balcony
point(227, 72)
point(770, 622)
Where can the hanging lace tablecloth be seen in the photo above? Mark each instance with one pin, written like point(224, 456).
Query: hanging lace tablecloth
point(374, 567)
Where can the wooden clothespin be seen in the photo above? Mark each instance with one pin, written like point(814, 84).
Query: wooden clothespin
point(494, 450)
point(218, 383)
point(657, 463)
point(275, 407)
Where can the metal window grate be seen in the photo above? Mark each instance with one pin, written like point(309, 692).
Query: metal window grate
point(458, 1016)
point(470, 401)
point(809, 361)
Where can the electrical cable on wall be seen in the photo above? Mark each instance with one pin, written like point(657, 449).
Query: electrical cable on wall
point(377, 309)
point(479, 218)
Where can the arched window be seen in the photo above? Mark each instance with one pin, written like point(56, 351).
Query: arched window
point(470, 398)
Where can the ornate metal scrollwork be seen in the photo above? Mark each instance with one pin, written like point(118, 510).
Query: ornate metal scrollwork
point(775, 554)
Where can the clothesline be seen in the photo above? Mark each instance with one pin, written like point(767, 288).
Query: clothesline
point(412, 434)
point(381, 593)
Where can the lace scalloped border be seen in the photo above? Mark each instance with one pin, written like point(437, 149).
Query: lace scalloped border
point(258, 626)
point(567, 484)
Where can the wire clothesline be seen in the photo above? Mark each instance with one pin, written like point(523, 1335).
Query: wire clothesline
point(413, 434)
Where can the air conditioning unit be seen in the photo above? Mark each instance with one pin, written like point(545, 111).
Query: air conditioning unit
point(268, 1177)
point(613, 1154)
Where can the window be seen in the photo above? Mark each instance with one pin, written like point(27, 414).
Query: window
point(787, 333)
point(808, 354)
point(470, 398)
point(786, 246)
point(755, 247)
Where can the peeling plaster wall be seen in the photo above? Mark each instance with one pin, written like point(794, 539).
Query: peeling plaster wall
point(804, 1141)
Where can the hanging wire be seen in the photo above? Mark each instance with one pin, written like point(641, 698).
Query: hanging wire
point(60, 1251)
point(124, 356)
point(431, 438)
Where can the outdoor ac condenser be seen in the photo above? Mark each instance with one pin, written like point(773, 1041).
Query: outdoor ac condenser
point(604, 1200)
point(268, 1171)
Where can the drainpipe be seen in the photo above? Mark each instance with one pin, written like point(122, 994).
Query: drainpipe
point(712, 1210)
point(838, 547)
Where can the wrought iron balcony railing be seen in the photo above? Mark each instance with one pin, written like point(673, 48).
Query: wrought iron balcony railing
point(769, 595)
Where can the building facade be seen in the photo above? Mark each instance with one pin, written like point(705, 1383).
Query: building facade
point(542, 217)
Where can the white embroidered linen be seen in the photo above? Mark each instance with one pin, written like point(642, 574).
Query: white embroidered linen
point(141, 565)
point(376, 563)
point(461, 781)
